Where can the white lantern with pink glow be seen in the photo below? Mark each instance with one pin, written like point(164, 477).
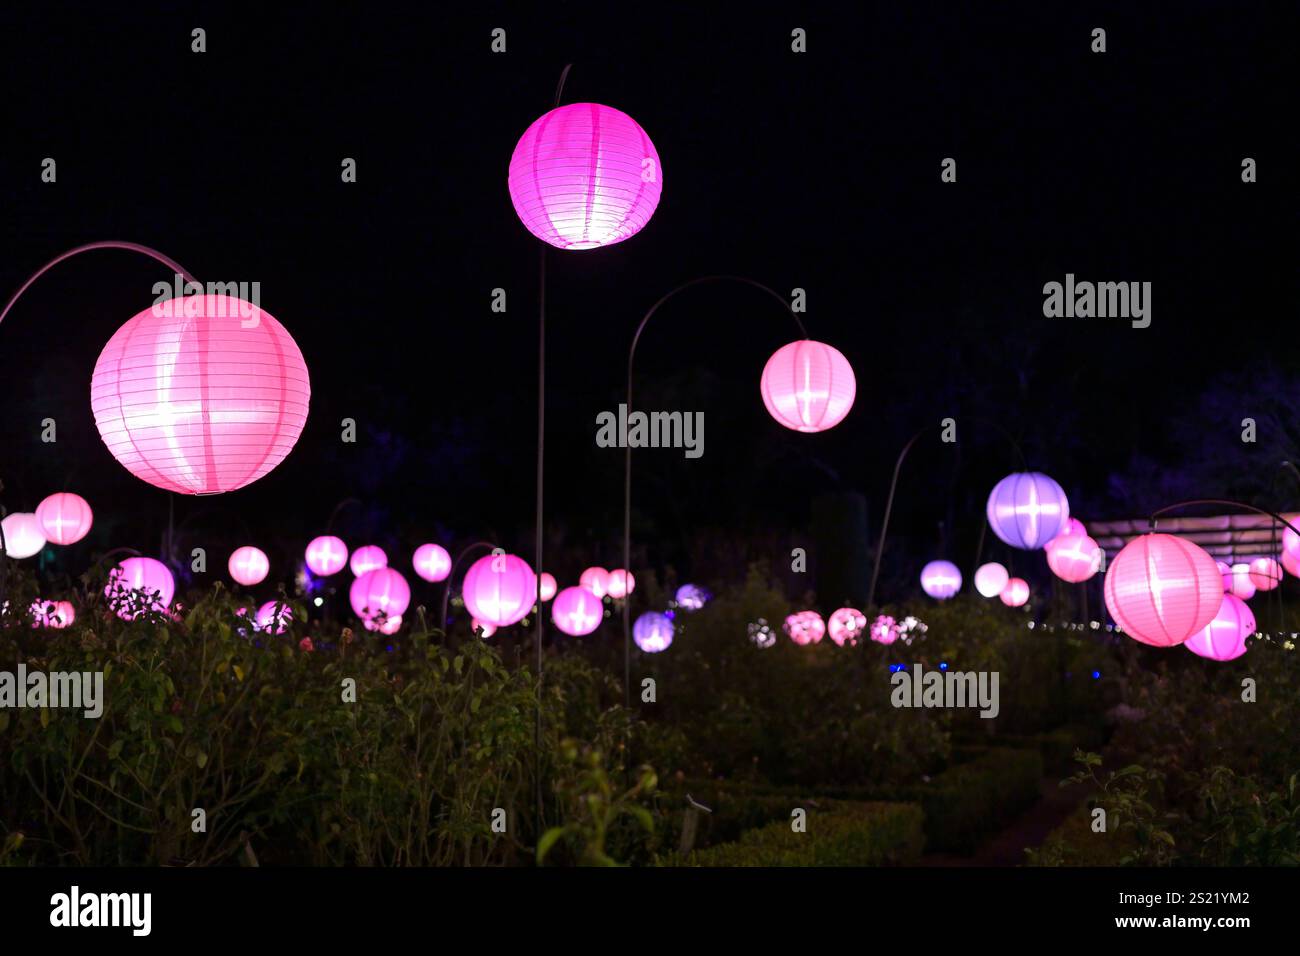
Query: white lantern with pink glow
point(249, 565)
point(432, 562)
point(577, 611)
point(326, 555)
point(64, 518)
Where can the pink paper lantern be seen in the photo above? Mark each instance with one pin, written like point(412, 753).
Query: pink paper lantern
point(379, 592)
point(805, 627)
point(940, 579)
point(1073, 557)
point(653, 632)
point(846, 625)
point(583, 176)
point(595, 580)
point(1265, 573)
point(23, 536)
point(326, 555)
point(483, 629)
point(1224, 638)
point(500, 589)
point(274, 617)
point(577, 611)
point(1072, 526)
point(367, 558)
point(990, 579)
point(808, 386)
point(387, 625)
point(1015, 593)
point(1237, 582)
point(249, 565)
point(547, 586)
point(65, 518)
point(1027, 509)
point(200, 395)
point(432, 562)
point(139, 585)
point(1162, 589)
point(1290, 540)
point(621, 583)
point(1290, 563)
point(55, 614)
point(884, 629)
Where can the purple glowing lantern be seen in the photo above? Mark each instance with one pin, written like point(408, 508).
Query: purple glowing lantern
point(653, 632)
point(940, 579)
point(691, 597)
point(1027, 509)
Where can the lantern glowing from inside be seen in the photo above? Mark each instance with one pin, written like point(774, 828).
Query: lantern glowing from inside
point(274, 617)
point(500, 589)
point(1162, 589)
point(990, 579)
point(595, 580)
point(55, 614)
point(653, 632)
point(547, 586)
point(201, 394)
point(1071, 526)
point(621, 583)
point(1265, 573)
point(691, 597)
point(379, 592)
point(1073, 557)
point(249, 565)
point(432, 562)
point(1224, 638)
point(483, 629)
point(65, 518)
point(884, 629)
point(1236, 581)
point(584, 176)
point(805, 627)
point(577, 611)
point(1015, 593)
point(1027, 509)
point(326, 555)
point(808, 386)
point(940, 579)
point(140, 585)
point(387, 625)
point(1291, 563)
point(22, 534)
point(846, 625)
point(367, 558)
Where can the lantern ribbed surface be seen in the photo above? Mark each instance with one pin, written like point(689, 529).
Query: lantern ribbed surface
point(808, 386)
point(500, 589)
point(1224, 638)
point(65, 518)
point(584, 176)
point(326, 555)
point(1027, 509)
point(200, 395)
point(653, 632)
point(1265, 573)
point(577, 611)
point(1162, 589)
point(248, 565)
point(940, 579)
point(1073, 557)
point(432, 562)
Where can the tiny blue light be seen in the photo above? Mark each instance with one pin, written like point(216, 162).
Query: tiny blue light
point(669, 614)
point(943, 665)
point(1096, 675)
point(390, 648)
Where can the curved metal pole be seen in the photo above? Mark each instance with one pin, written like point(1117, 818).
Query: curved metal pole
point(1151, 521)
point(451, 575)
point(627, 463)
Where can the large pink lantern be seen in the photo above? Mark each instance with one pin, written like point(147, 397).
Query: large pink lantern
point(1027, 509)
point(1015, 593)
point(1290, 563)
point(64, 517)
point(23, 536)
point(990, 579)
point(1237, 582)
point(201, 394)
point(249, 565)
point(137, 585)
point(274, 617)
point(940, 579)
point(1162, 589)
point(808, 386)
point(585, 175)
point(546, 586)
point(846, 625)
point(805, 627)
point(1073, 557)
point(577, 611)
point(1265, 573)
point(432, 562)
point(326, 555)
point(653, 632)
point(621, 583)
point(595, 580)
point(500, 589)
point(379, 592)
point(367, 558)
point(1224, 638)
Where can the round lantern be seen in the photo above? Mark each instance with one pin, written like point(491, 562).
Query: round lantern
point(139, 585)
point(808, 386)
point(482, 629)
point(432, 562)
point(884, 629)
point(22, 534)
point(64, 518)
point(653, 632)
point(990, 579)
point(500, 589)
point(1265, 573)
point(55, 614)
point(1163, 589)
point(274, 617)
point(1027, 509)
point(621, 583)
point(1015, 593)
point(1290, 540)
point(1224, 638)
point(577, 611)
point(584, 176)
point(201, 394)
point(326, 555)
point(595, 580)
point(546, 586)
point(805, 627)
point(1072, 526)
point(249, 565)
point(379, 592)
point(1237, 582)
point(845, 625)
point(368, 558)
point(940, 579)
point(1073, 557)
point(1290, 563)
point(691, 597)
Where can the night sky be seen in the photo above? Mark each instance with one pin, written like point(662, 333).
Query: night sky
point(819, 171)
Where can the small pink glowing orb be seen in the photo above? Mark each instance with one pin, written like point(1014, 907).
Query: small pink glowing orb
point(1072, 526)
point(547, 586)
point(65, 518)
point(940, 579)
point(326, 555)
point(1224, 638)
point(584, 176)
point(990, 579)
point(274, 617)
point(805, 627)
point(1027, 509)
point(621, 583)
point(884, 629)
point(379, 592)
point(808, 386)
point(55, 614)
point(1291, 563)
point(483, 629)
point(1162, 589)
point(1265, 573)
point(1073, 557)
point(384, 625)
point(846, 625)
point(653, 632)
point(500, 589)
point(1015, 593)
point(595, 580)
point(432, 562)
point(367, 558)
point(201, 394)
point(577, 611)
point(1237, 582)
point(140, 585)
point(249, 565)
point(23, 536)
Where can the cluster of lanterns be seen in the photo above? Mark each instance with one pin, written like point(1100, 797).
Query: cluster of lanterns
point(62, 518)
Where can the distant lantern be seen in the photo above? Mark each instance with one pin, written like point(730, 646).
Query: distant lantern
point(546, 586)
point(577, 611)
point(990, 579)
point(367, 558)
point(691, 597)
point(55, 614)
point(595, 580)
point(249, 565)
point(583, 176)
point(1237, 582)
point(846, 625)
point(274, 617)
point(432, 562)
point(621, 583)
point(1224, 638)
point(808, 386)
point(1265, 573)
point(940, 579)
point(1073, 557)
point(1162, 589)
point(500, 589)
point(139, 585)
point(653, 632)
point(1072, 526)
point(326, 555)
point(805, 627)
point(1015, 593)
point(201, 394)
point(1027, 509)
point(379, 592)
point(22, 534)
point(884, 629)
point(65, 518)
